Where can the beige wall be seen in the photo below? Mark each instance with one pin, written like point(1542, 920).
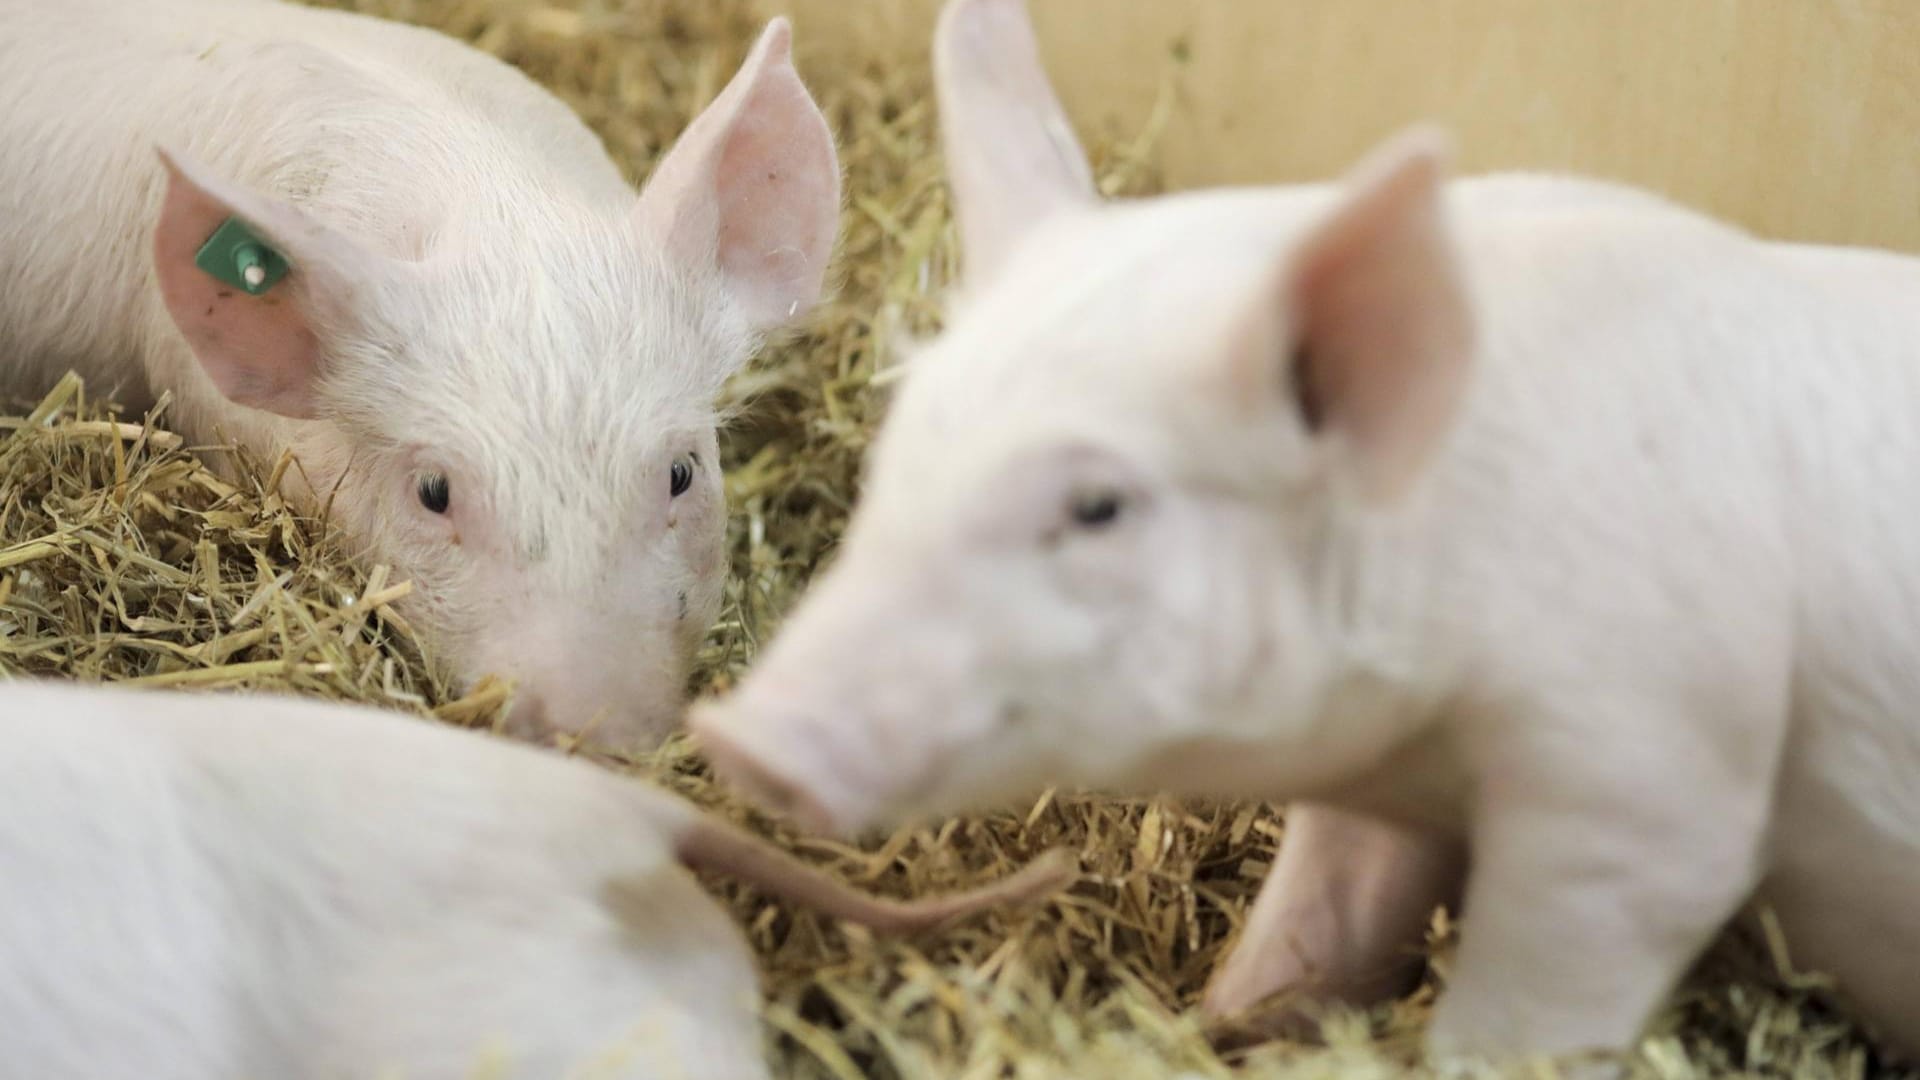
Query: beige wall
point(1799, 118)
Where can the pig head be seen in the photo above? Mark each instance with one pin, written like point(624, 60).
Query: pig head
point(1101, 537)
point(513, 406)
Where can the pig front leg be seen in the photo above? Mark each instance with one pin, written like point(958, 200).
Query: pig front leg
point(1601, 868)
point(1341, 917)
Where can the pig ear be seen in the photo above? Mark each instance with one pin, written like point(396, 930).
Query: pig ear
point(1379, 322)
point(1012, 159)
point(261, 351)
point(753, 188)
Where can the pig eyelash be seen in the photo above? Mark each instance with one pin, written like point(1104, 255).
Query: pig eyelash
point(1095, 509)
point(680, 475)
point(434, 492)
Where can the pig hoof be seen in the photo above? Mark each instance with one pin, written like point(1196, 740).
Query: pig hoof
point(1286, 1017)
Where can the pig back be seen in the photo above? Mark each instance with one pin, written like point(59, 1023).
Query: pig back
point(378, 128)
point(225, 886)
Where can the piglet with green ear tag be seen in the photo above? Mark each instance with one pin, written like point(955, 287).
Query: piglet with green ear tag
point(401, 259)
point(1553, 548)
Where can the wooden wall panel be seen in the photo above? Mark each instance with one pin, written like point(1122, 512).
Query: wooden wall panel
point(1798, 118)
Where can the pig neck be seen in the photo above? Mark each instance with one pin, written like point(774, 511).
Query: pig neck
point(1380, 745)
point(1369, 734)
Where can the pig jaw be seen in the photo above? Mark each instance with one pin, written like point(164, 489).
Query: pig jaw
point(884, 700)
point(839, 778)
point(875, 705)
point(1293, 715)
point(838, 763)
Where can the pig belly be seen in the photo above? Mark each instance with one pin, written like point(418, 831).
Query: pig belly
point(1846, 876)
point(1845, 872)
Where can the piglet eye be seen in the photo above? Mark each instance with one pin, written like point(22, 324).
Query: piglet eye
point(434, 493)
point(680, 476)
point(1095, 509)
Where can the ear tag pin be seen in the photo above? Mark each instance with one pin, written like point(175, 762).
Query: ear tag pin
point(236, 257)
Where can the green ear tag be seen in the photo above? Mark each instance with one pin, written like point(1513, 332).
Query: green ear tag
point(240, 259)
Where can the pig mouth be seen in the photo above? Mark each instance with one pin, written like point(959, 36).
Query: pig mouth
point(752, 771)
point(836, 786)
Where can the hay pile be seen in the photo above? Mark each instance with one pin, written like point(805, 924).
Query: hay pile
point(122, 559)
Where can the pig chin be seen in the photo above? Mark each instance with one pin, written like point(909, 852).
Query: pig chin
point(609, 719)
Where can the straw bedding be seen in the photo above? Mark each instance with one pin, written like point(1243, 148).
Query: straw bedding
point(123, 559)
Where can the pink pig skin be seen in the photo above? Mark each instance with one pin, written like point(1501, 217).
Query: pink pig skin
point(1555, 539)
point(205, 886)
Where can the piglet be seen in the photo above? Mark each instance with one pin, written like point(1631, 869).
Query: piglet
point(227, 886)
point(1544, 540)
point(495, 364)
